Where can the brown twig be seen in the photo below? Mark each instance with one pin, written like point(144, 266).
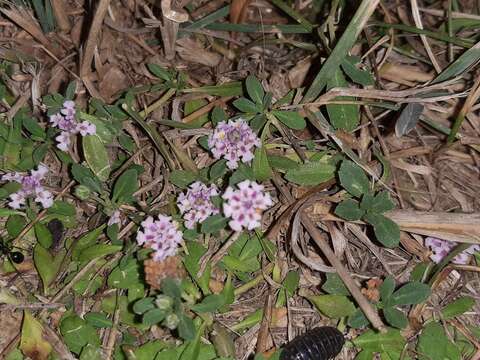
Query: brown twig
point(92, 37)
point(262, 338)
point(366, 307)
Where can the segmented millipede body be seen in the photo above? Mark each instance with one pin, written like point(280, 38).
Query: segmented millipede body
point(321, 343)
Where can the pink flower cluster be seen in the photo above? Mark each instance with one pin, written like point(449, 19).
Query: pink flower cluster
point(65, 120)
point(441, 248)
point(161, 235)
point(196, 205)
point(30, 187)
point(235, 141)
point(245, 205)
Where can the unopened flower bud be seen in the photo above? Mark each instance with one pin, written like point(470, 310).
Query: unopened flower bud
point(171, 321)
point(82, 192)
point(164, 302)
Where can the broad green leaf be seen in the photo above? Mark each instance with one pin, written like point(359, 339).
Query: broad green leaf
point(44, 236)
point(15, 225)
point(387, 288)
point(228, 292)
point(186, 327)
point(311, 173)
point(32, 343)
point(86, 240)
point(9, 212)
point(47, 265)
point(149, 350)
point(281, 162)
point(349, 210)
point(98, 320)
point(159, 72)
point(218, 169)
point(242, 173)
point(182, 178)
point(86, 177)
point(410, 294)
point(353, 178)
point(153, 316)
point(246, 106)
point(261, 167)
point(268, 247)
point(96, 156)
point(358, 320)
point(213, 223)
point(434, 344)
point(222, 340)
point(334, 285)
point(333, 306)
point(420, 271)
point(211, 303)
point(126, 276)
point(292, 119)
point(379, 203)
point(91, 352)
point(143, 305)
point(218, 115)
point(342, 116)
point(358, 76)
point(125, 186)
point(254, 89)
point(386, 231)
point(171, 287)
point(97, 251)
point(395, 317)
point(62, 208)
point(33, 127)
point(291, 282)
point(380, 342)
point(469, 58)
point(458, 307)
point(77, 333)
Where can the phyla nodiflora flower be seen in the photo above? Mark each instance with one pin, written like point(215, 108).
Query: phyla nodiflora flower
point(234, 141)
point(441, 248)
point(31, 187)
point(196, 204)
point(66, 121)
point(245, 205)
point(161, 235)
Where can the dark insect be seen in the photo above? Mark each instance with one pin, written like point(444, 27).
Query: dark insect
point(15, 256)
point(322, 343)
point(56, 228)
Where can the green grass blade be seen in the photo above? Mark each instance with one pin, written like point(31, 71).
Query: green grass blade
point(254, 28)
point(344, 45)
point(465, 61)
point(293, 14)
point(207, 20)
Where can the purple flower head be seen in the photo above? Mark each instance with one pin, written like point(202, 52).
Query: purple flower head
point(441, 248)
point(66, 121)
point(115, 218)
point(31, 187)
point(196, 205)
point(235, 141)
point(161, 235)
point(245, 205)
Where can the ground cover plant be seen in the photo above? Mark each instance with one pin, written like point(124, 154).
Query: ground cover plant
point(201, 180)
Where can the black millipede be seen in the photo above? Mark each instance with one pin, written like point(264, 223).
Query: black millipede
point(321, 343)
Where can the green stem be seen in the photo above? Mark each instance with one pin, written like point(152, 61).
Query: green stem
point(158, 103)
point(456, 126)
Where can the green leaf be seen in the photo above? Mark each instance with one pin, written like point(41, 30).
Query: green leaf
point(349, 210)
point(77, 333)
point(98, 320)
point(62, 208)
point(386, 231)
point(292, 119)
point(149, 350)
point(246, 106)
point(15, 225)
point(232, 88)
point(380, 342)
point(291, 282)
point(218, 169)
point(186, 327)
point(218, 115)
point(143, 305)
point(96, 156)
point(460, 65)
point(99, 250)
point(311, 173)
point(86, 240)
point(182, 178)
point(213, 223)
point(333, 306)
point(159, 72)
point(123, 277)
point(260, 166)
point(342, 47)
point(44, 236)
point(255, 89)
point(46, 264)
point(458, 307)
point(32, 342)
point(281, 162)
point(342, 116)
point(153, 316)
point(434, 344)
point(410, 294)
point(395, 317)
point(387, 288)
point(125, 186)
point(420, 271)
point(268, 247)
point(210, 304)
point(358, 320)
point(34, 128)
point(85, 177)
point(91, 352)
point(380, 203)
point(361, 77)
point(353, 178)
point(334, 285)
point(242, 173)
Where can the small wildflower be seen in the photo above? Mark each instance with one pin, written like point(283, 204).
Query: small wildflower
point(31, 187)
point(161, 235)
point(115, 218)
point(245, 205)
point(196, 205)
point(235, 141)
point(65, 120)
point(441, 248)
